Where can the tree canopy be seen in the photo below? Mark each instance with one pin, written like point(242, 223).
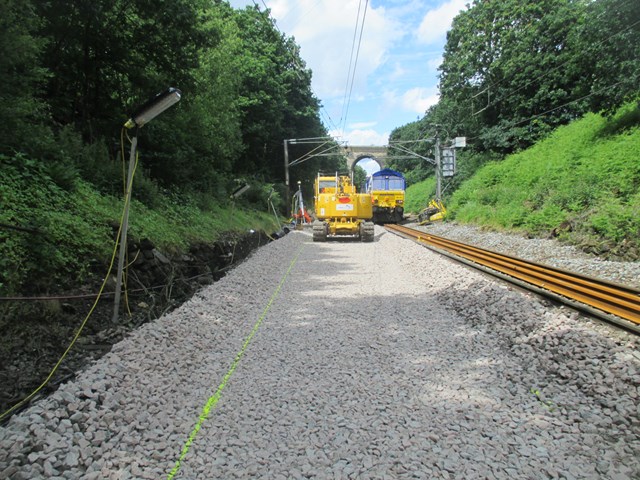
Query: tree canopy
point(73, 72)
point(512, 71)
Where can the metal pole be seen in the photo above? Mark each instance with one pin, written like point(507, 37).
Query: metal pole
point(286, 172)
point(302, 219)
point(438, 172)
point(123, 231)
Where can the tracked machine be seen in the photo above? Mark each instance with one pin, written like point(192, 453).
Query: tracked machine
point(341, 211)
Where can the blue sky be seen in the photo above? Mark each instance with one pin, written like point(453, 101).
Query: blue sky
point(396, 76)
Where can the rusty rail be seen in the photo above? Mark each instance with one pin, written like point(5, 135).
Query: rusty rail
point(601, 298)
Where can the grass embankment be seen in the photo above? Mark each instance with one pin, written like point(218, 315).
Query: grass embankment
point(581, 184)
point(67, 235)
point(418, 195)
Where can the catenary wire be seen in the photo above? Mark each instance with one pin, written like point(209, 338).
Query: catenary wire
point(353, 47)
point(513, 124)
point(355, 65)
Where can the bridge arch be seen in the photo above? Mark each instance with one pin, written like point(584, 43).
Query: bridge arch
point(357, 153)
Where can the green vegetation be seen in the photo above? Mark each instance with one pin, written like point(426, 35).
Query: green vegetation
point(65, 237)
point(513, 72)
point(68, 91)
point(418, 195)
point(420, 192)
point(582, 184)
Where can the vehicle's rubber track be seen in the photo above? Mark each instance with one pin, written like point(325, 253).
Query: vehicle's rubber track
point(319, 232)
point(598, 297)
point(368, 232)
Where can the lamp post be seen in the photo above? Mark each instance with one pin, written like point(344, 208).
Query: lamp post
point(144, 114)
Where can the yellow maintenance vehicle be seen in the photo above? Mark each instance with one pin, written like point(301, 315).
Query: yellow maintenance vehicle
point(340, 211)
point(435, 211)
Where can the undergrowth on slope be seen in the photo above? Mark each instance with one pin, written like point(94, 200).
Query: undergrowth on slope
point(581, 184)
point(417, 196)
point(52, 238)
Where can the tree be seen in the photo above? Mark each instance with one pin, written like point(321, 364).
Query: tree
point(22, 113)
point(359, 177)
point(276, 99)
point(416, 137)
point(117, 54)
point(606, 47)
point(201, 145)
point(508, 71)
point(245, 89)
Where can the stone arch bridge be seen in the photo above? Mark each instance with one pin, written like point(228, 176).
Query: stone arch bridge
point(356, 153)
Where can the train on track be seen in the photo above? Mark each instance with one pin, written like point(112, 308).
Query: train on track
point(388, 189)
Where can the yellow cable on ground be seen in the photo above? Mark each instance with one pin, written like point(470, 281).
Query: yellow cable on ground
point(82, 325)
point(213, 400)
point(126, 267)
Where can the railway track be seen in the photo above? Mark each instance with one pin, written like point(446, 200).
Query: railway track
point(609, 301)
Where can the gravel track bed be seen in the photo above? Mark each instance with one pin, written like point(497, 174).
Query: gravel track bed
point(376, 360)
point(549, 252)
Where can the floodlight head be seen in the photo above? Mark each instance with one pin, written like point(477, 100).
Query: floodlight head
point(154, 107)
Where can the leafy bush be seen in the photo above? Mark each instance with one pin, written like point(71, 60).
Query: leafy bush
point(49, 236)
point(102, 166)
point(617, 221)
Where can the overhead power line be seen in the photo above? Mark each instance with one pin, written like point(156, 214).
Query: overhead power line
point(351, 74)
point(353, 48)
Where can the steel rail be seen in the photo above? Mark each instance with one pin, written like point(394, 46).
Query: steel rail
point(607, 299)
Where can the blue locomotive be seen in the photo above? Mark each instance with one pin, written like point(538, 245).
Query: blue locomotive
point(387, 188)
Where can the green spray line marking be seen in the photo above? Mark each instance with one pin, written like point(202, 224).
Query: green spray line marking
point(213, 400)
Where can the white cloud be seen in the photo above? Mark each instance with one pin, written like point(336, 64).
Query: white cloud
point(434, 63)
point(325, 31)
point(419, 99)
point(415, 100)
point(394, 70)
point(398, 72)
point(362, 137)
point(369, 165)
point(436, 22)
